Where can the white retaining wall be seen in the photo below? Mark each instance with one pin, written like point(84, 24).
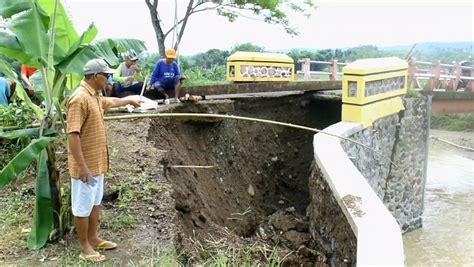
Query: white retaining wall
point(379, 238)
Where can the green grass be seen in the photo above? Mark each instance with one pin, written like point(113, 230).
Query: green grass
point(120, 222)
point(411, 92)
point(131, 196)
point(453, 122)
point(15, 216)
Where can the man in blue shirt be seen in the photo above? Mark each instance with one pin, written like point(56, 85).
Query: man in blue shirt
point(166, 77)
point(5, 91)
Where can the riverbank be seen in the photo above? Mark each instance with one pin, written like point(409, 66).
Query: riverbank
point(461, 138)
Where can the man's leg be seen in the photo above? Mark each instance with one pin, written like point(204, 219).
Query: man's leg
point(160, 90)
point(84, 198)
point(116, 89)
point(94, 240)
point(135, 88)
point(93, 234)
point(177, 88)
point(82, 226)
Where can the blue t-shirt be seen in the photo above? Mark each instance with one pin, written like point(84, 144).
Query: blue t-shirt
point(4, 92)
point(164, 73)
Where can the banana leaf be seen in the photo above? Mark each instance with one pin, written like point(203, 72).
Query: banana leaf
point(65, 34)
point(9, 46)
point(23, 159)
point(9, 8)
point(105, 50)
point(72, 81)
point(7, 69)
point(123, 45)
point(43, 218)
point(75, 62)
point(31, 133)
point(36, 81)
point(86, 38)
point(30, 26)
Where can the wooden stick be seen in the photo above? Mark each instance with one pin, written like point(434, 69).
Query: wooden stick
point(190, 166)
point(453, 144)
point(143, 88)
point(222, 116)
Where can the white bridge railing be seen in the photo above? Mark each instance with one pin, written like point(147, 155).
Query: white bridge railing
point(333, 69)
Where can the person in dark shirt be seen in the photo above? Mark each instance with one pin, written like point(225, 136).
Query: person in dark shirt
point(166, 78)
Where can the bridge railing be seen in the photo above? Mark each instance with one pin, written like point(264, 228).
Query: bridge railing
point(431, 75)
point(333, 66)
point(421, 74)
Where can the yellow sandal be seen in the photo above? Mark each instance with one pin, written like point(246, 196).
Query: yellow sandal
point(106, 245)
point(95, 258)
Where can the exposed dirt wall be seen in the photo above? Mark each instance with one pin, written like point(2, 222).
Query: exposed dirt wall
point(258, 169)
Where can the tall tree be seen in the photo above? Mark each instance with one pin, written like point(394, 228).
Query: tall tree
point(249, 47)
point(269, 11)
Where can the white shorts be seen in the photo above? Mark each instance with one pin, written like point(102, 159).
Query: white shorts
point(85, 196)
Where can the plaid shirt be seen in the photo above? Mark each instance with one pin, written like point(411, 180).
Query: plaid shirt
point(85, 115)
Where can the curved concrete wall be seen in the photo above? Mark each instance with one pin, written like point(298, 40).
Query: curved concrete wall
point(379, 239)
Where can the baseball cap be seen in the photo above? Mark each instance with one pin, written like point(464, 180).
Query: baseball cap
point(97, 65)
point(131, 55)
point(170, 53)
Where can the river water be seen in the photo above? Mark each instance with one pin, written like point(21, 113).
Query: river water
point(447, 235)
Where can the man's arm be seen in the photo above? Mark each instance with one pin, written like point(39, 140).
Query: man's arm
point(155, 73)
point(8, 92)
point(75, 145)
point(117, 75)
point(137, 75)
point(118, 102)
point(24, 78)
point(177, 72)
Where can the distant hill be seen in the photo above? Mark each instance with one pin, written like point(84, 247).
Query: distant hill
point(433, 46)
point(427, 46)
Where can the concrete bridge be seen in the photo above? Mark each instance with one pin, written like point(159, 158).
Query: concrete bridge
point(450, 85)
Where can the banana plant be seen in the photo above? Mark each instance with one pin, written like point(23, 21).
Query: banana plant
point(39, 34)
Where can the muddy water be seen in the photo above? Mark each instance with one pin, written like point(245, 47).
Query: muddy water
point(447, 236)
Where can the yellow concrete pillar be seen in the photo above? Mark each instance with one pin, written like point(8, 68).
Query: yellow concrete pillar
point(259, 67)
point(371, 89)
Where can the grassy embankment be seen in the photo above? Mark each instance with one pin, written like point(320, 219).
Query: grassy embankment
point(453, 122)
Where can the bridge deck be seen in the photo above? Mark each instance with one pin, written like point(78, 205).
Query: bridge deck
point(240, 88)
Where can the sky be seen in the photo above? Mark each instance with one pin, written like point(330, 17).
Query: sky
point(333, 24)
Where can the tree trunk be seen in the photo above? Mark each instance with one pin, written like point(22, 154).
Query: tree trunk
point(55, 187)
point(185, 21)
point(160, 37)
